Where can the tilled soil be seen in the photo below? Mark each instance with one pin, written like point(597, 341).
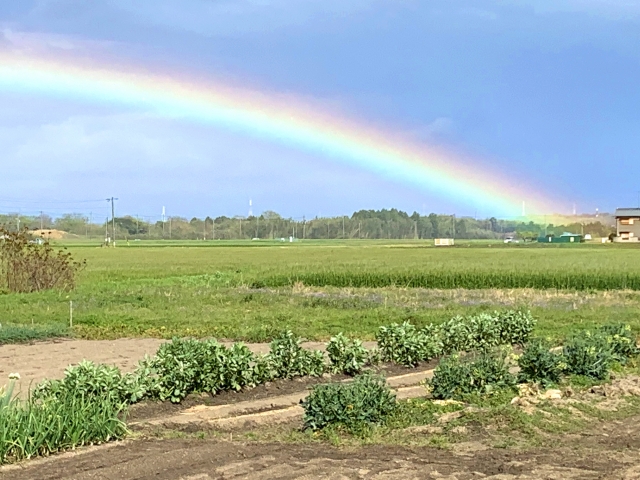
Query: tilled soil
point(581, 457)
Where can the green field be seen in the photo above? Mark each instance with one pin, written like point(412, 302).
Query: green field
point(252, 290)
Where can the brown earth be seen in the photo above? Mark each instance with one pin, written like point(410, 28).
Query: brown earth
point(611, 452)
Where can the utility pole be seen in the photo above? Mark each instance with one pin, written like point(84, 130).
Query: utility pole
point(41, 221)
point(113, 219)
point(343, 227)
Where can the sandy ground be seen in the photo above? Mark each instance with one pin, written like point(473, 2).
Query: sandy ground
point(48, 360)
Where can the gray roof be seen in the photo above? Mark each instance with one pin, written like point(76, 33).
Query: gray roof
point(628, 212)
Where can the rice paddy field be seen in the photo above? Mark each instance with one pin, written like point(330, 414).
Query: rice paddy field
point(251, 291)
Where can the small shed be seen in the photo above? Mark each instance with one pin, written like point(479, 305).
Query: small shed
point(566, 237)
point(444, 242)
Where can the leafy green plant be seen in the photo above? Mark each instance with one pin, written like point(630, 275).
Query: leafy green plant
point(238, 367)
point(622, 341)
point(538, 364)
point(515, 326)
point(263, 370)
point(589, 354)
point(483, 332)
point(346, 355)
point(365, 401)
point(177, 364)
point(458, 376)
point(289, 359)
point(406, 345)
point(90, 380)
point(184, 366)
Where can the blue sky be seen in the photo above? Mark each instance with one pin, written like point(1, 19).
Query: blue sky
point(546, 91)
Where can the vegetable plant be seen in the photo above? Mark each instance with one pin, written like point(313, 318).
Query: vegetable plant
point(346, 355)
point(457, 376)
point(365, 401)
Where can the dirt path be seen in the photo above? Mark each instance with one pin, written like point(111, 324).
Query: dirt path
point(48, 360)
point(615, 456)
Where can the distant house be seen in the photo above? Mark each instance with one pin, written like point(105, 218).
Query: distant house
point(627, 225)
point(566, 237)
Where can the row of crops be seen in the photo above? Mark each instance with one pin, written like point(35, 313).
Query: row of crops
point(368, 400)
point(469, 279)
point(89, 404)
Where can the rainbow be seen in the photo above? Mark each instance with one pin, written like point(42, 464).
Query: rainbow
point(276, 119)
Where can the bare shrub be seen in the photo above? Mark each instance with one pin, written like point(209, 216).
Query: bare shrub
point(30, 264)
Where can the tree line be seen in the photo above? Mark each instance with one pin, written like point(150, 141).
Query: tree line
point(364, 224)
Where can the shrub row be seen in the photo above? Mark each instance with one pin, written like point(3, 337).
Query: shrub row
point(185, 366)
point(587, 353)
point(407, 345)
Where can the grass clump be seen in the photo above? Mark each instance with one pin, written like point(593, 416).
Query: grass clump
point(37, 428)
point(86, 407)
point(353, 406)
point(456, 376)
point(11, 333)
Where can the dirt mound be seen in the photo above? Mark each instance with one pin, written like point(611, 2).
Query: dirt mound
point(52, 234)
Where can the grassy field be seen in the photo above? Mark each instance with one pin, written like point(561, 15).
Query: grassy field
point(252, 290)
